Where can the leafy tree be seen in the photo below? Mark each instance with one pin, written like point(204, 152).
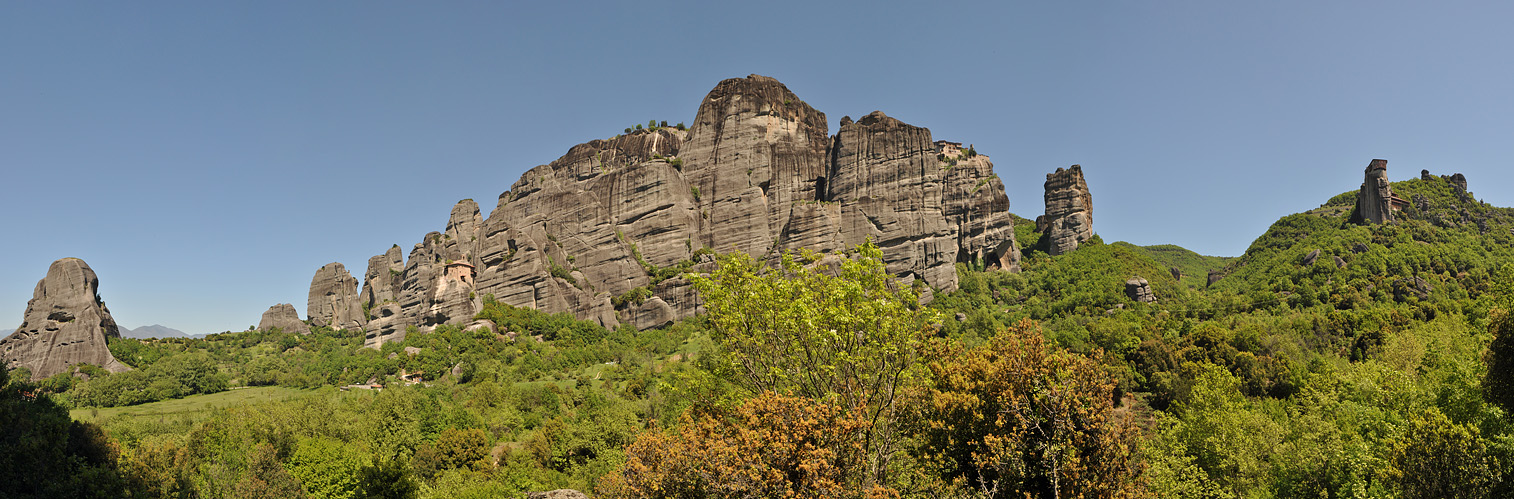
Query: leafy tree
point(844, 333)
point(771, 446)
point(1015, 418)
point(326, 468)
point(454, 448)
point(1498, 383)
point(265, 477)
point(1436, 458)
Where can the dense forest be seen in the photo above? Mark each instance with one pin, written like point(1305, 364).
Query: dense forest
point(1332, 359)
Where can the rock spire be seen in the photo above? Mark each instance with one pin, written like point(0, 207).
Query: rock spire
point(65, 324)
point(1069, 210)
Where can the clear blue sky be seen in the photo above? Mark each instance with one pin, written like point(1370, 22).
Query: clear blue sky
point(206, 158)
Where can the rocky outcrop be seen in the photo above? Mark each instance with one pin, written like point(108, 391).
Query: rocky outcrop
point(1139, 289)
point(65, 324)
point(333, 299)
point(1069, 210)
point(1214, 277)
point(1376, 204)
point(284, 317)
point(1311, 257)
point(604, 231)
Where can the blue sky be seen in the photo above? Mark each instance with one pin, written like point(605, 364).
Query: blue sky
point(206, 158)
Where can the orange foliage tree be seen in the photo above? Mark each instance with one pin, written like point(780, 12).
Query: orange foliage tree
point(770, 446)
point(1015, 418)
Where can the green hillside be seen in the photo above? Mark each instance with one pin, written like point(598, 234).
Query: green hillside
point(1351, 374)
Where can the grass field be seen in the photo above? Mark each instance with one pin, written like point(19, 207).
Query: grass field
point(190, 404)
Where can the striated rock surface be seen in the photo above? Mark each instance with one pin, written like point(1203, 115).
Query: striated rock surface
point(1375, 202)
point(603, 231)
point(1139, 289)
point(333, 299)
point(1069, 210)
point(65, 324)
point(284, 317)
point(382, 282)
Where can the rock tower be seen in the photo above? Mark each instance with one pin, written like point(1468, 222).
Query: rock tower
point(1069, 210)
point(65, 324)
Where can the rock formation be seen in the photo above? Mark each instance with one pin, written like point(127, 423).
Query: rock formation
point(1311, 257)
point(65, 324)
point(1376, 203)
point(604, 231)
point(1139, 290)
point(284, 317)
point(334, 299)
point(1069, 211)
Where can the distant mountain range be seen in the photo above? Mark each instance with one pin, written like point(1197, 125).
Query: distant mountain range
point(153, 331)
point(6, 332)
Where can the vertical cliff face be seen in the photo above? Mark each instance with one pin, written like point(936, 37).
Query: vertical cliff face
point(1374, 204)
point(333, 299)
point(1069, 210)
point(65, 324)
point(604, 231)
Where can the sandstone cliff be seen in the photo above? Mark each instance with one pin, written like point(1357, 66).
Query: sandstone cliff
point(604, 231)
point(1069, 210)
point(65, 324)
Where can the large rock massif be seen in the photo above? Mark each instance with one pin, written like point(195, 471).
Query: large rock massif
point(1069, 210)
point(602, 231)
point(65, 324)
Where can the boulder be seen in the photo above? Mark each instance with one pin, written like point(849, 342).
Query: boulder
point(1311, 257)
point(65, 323)
point(1139, 290)
point(284, 317)
point(1069, 210)
point(1176, 274)
point(1340, 263)
point(1359, 248)
point(334, 299)
point(1214, 277)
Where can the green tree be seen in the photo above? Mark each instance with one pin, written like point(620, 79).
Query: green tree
point(839, 330)
point(1015, 418)
point(1498, 383)
point(326, 468)
point(1436, 458)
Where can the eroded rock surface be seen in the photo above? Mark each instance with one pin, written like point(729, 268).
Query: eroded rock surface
point(603, 232)
point(333, 299)
point(1139, 289)
point(1069, 210)
point(284, 317)
point(65, 324)
point(1376, 203)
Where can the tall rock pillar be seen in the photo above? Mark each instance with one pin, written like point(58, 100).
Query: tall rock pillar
point(1375, 203)
point(1069, 210)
